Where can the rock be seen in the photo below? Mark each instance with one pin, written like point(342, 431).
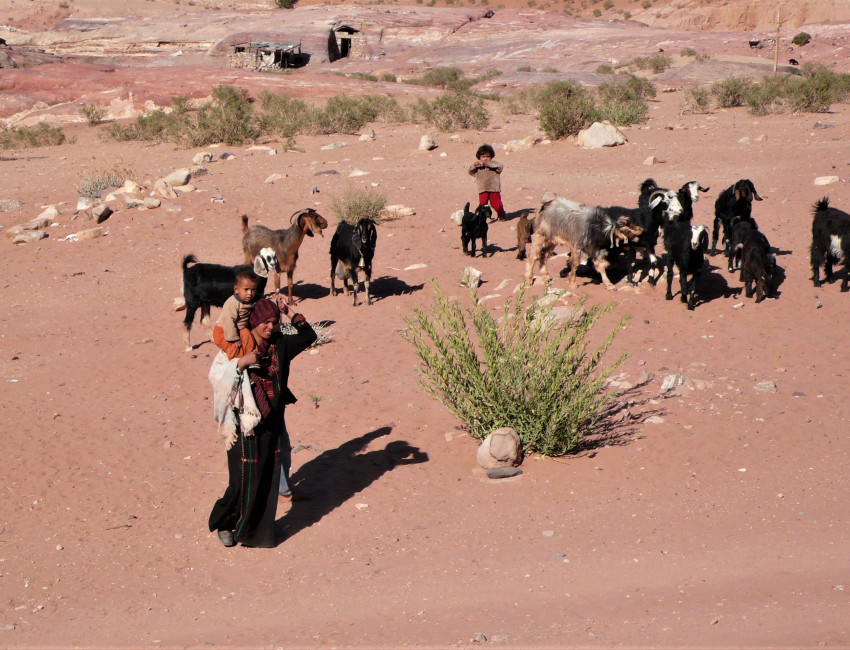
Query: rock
point(271, 178)
point(358, 172)
point(28, 235)
point(525, 143)
point(7, 61)
point(822, 125)
point(163, 188)
point(416, 267)
point(151, 202)
point(91, 233)
point(470, 277)
point(49, 213)
point(672, 382)
point(202, 157)
point(397, 210)
point(226, 155)
point(334, 145)
point(101, 213)
point(427, 143)
point(457, 217)
point(503, 472)
point(368, 135)
point(10, 204)
point(85, 203)
point(179, 304)
point(826, 180)
point(132, 187)
point(563, 315)
point(38, 223)
point(185, 189)
point(768, 386)
point(599, 135)
point(652, 160)
point(501, 448)
point(331, 172)
point(744, 140)
point(654, 419)
point(178, 177)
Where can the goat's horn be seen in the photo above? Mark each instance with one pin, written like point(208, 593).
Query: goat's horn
point(299, 214)
point(702, 189)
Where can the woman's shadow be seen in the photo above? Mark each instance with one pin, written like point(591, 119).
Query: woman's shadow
point(336, 475)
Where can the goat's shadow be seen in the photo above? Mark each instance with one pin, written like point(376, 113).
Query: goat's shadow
point(336, 475)
point(307, 290)
point(518, 214)
point(387, 285)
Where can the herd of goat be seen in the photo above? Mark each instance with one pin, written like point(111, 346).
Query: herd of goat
point(594, 233)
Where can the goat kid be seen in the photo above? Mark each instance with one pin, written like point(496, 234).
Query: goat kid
point(735, 248)
point(352, 248)
point(830, 242)
point(733, 202)
point(583, 230)
point(285, 242)
point(758, 266)
point(524, 231)
point(474, 226)
point(685, 247)
point(207, 284)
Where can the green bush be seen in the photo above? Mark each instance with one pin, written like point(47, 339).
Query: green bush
point(655, 63)
point(520, 102)
point(359, 203)
point(283, 116)
point(564, 108)
point(521, 371)
point(632, 87)
point(732, 91)
point(624, 113)
point(801, 39)
point(40, 135)
point(525, 68)
point(604, 68)
point(697, 100)
point(365, 76)
point(688, 51)
point(389, 77)
point(285, 4)
point(453, 111)
point(342, 114)
point(94, 114)
point(228, 118)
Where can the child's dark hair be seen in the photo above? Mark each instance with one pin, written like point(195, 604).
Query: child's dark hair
point(485, 149)
point(246, 274)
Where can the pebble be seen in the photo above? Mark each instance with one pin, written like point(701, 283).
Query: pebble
point(59, 547)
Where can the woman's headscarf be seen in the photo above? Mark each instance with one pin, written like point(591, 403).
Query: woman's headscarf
point(262, 311)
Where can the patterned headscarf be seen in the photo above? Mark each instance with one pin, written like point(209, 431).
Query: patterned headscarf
point(262, 311)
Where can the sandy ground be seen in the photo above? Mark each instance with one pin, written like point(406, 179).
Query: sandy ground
point(722, 521)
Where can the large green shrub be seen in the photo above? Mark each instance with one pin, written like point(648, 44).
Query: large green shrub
point(359, 203)
point(228, 118)
point(522, 370)
point(731, 92)
point(623, 102)
point(40, 135)
point(801, 39)
point(564, 108)
point(453, 111)
point(283, 115)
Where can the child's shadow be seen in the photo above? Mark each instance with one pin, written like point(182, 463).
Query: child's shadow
point(335, 476)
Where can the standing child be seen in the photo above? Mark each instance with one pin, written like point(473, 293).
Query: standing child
point(488, 175)
point(235, 314)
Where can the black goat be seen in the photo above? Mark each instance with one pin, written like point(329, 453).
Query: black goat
point(212, 284)
point(352, 248)
point(733, 203)
point(757, 265)
point(685, 247)
point(474, 226)
point(830, 242)
point(735, 246)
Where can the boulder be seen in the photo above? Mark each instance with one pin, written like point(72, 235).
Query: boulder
point(85, 203)
point(38, 223)
point(526, 143)
point(10, 204)
point(457, 217)
point(178, 177)
point(599, 135)
point(82, 235)
point(202, 157)
point(163, 188)
point(27, 236)
point(366, 136)
point(427, 143)
point(470, 277)
point(50, 212)
point(826, 180)
point(101, 213)
point(151, 202)
point(131, 187)
point(501, 448)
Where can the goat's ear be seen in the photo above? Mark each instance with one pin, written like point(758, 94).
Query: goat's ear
point(755, 194)
point(260, 266)
point(702, 189)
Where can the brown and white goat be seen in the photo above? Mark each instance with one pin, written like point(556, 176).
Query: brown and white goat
point(524, 231)
point(285, 242)
point(582, 229)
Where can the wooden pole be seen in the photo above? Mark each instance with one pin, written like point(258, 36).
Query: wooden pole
point(776, 44)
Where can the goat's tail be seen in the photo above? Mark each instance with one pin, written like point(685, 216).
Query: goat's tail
point(648, 186)
point(244, 218)
point(187, 260)
point(821, 206)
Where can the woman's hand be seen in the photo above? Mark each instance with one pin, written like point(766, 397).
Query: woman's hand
point(248, 359)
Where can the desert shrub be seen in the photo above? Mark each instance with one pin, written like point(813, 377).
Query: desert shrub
point(697, 100)
point(801, 39)
point(453, 111)
point(623, 113)
point(40, 135)
point(285, 4)
point(94, 114)
point(549, 69)
point(597, 13)
point(607, 4)
point(646, 4)
point(604, 68)
point(766, 97)
point(283, 115)
point(441, 77)
point(731, 92)
point(365, 76)
point(385, 108)
point(228, 118)
point(627, 15)
point(520, 102)
point(810, 94)
point(525, 68)
point(688, 51)
point(389, 77)
point(564, 108)
point(655, 63)
point(521, 370)
point(632, 87)
point(93, 183)
point(358, 203)
point(341, 114)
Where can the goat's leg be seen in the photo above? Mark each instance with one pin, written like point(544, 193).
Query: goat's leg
point(827, 269)
point(354, 283)
point(205, 318)
point(601, 266)
point(631, 261)
point(333, 275)
point(715, 231)
point(289, 285)
point(669, 294)
point(692, 291)
point(846, 280)
point(367, 272)
point(747, 277)
point(484, 245)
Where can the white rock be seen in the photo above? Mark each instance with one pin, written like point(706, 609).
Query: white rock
point(826, 180)
point(274, 177)
point(600, 135)
point(85, 203)
point(178, 177)
point(525, 143)
point(766, 386)
point(414, 267)
point(368, 135)
point(652, 160)
point(28, 236)
point(470, 277)
point(334, 145)
point(671, 382)
point(457, 217)
point(202, 157)
point(49, 213)
point(131, 187)
point(427, 143)
point(501, 448)
point(358, 172)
